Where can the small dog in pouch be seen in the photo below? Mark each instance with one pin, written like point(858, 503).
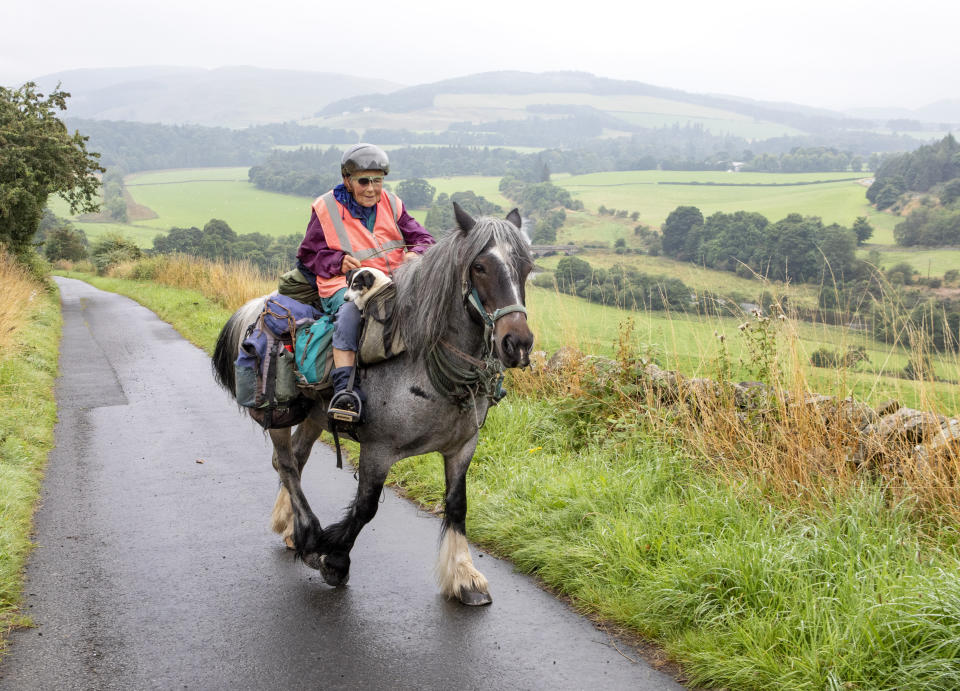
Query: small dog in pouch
point(364, 283)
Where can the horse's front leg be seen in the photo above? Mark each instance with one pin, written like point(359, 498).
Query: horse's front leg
point(338, 539)
point(456, 574)
point(307, 534)
point(281, 519)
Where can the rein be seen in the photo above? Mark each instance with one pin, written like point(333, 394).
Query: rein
point(462, 377)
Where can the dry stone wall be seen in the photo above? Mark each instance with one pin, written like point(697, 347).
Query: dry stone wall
point(883, 437)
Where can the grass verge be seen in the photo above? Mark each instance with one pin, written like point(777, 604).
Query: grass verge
point(30, 325)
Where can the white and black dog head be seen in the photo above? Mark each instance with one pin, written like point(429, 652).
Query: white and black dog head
point(364, 283)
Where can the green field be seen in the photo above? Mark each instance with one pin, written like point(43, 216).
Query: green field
point(191, 197)
point(689, 343)
point(928, 261)
point(835, 202)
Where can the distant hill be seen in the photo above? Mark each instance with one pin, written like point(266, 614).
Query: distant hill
point(227, 96)
point(946, 111)
point(519, 95)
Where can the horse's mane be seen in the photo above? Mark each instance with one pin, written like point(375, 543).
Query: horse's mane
point(431, 289)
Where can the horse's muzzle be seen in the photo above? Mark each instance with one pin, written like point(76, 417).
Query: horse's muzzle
point(516, 341)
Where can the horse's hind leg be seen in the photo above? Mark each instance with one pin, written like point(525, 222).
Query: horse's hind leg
point(456, 574)
point(307, 533)
point(281, 518)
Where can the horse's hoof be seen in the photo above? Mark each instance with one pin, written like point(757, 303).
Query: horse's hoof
point(314, 561)
point(474, 598)
point(333, 576)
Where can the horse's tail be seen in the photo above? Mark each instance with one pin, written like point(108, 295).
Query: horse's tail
point(228, 344)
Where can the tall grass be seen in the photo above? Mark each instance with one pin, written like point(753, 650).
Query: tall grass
point(19, 292)
point(29, 337)
point(228, 284)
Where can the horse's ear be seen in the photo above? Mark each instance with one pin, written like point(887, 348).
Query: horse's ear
point(464, 220)
point(514, 218)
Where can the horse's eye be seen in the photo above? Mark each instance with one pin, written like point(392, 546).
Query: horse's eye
point(478, 267)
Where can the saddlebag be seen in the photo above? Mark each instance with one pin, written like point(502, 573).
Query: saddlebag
point(380, 337)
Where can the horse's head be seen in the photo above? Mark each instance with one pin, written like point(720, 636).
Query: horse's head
point(495, 285)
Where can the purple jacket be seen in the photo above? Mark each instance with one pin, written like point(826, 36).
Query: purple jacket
point(317, 259)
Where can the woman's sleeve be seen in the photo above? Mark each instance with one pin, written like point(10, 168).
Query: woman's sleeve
point(416, 237)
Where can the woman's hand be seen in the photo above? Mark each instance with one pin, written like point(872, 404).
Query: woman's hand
point(349, 262)
point(407, 256)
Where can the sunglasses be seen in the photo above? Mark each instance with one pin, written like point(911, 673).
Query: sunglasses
point(363, 182)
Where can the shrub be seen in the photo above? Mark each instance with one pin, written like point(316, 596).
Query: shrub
point(824, 357)
point(65, 242)
point(113, 249)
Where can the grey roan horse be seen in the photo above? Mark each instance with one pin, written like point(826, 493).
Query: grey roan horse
point(414, 404)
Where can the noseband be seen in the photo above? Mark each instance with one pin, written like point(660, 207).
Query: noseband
point(490, 320)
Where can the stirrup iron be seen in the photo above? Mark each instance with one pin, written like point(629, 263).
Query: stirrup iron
point(345, 407)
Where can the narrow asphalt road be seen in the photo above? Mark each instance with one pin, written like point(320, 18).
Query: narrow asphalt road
point(156, 568)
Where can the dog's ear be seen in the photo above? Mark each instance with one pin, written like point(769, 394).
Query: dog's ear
point(350, 274)
point(367, 279)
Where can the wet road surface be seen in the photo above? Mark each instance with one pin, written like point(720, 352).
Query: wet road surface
point(154, 570)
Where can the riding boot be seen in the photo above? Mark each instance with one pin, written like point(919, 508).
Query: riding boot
point(347, 402)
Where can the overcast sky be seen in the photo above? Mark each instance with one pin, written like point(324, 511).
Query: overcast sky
point(830, 53)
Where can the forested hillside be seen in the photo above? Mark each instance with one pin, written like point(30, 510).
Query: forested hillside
point(916, 171)
point(923, 185)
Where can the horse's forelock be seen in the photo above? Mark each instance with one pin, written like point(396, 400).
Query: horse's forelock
point(430, 289)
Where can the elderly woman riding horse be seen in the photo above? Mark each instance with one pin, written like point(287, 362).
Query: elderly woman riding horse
point(462, 317)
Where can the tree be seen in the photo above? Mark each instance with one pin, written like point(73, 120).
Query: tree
point(790, 250)
point(38, 157)
point(862, 229)
point(950, 192)
point(570, 271)
point(440, 217)
point(65, 242)
point(838, 247)
point(217, 240)
point(416, 193)
point(677, 227)
point(545, 172)
point(184, 240)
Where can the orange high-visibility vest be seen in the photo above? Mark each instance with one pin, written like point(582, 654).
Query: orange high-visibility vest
point(383, 249)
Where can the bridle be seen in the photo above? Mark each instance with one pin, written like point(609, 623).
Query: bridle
point(490, 319)
point(462, 377)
